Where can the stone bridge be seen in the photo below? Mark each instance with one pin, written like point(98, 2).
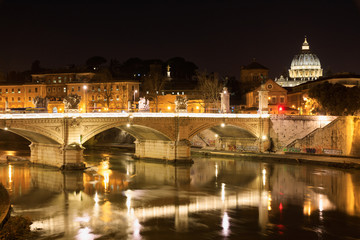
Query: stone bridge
point(56, 139)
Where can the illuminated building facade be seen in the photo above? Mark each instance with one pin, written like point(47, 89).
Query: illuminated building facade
point(96, 93)
point(304, 67)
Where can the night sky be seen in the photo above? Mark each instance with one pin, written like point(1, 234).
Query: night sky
point(216, 35)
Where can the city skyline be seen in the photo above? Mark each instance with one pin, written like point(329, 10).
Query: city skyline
point(217, 36)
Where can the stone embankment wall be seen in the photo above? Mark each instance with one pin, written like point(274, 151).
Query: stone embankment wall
point(340, 137)
point(286, 129)
point(4, 205)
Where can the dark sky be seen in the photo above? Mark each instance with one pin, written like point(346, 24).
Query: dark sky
point(216, 35)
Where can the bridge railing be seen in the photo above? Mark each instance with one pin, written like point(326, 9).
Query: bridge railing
point(134, 115)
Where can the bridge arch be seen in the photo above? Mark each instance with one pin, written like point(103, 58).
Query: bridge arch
point(138, 131)
point(251, 131)
point(35, 133)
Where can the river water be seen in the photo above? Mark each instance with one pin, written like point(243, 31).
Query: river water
point(119, 198)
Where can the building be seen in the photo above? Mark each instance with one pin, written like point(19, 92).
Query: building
point(298, 95)
point(277, 97)
point(254, 72)
point(305, 67)
point(97, 93)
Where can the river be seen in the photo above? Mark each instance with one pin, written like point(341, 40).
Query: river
point(215, 198)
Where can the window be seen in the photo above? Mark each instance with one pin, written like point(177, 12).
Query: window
point(59, 89)
point(273, 100)
point(49, 89)
point(12, 91)
point(78, 89)
point(93, 98)
point(29, 99)
point(282, 99)
point(59, 81)
point(133, 88)
point(12, 99)
point(93, 88)
point(29, 90)
point(124, 88)
point(257, 99)
point(6, 90)
point(19, 91)
point(117, 87)
point(19, 99)
point(36, 89)
point(65, 89)
point(0, 91)
point(72, 89)
point(117, 97)
point(99, 89)
point(54, 81)
point(54, 89)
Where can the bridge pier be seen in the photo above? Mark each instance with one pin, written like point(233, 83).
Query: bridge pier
point(171, 151)
point(56, 155)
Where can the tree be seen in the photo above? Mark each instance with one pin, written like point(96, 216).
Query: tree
point(154, 83)
point(336, 99)
point(209, 87)
point(105, 95)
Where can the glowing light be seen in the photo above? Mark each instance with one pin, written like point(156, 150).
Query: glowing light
point(6, 128)
point(264, 176)
point(280, 207)
point(128, 200)
point(168, 107)
point(223, 192)
point(197, 107)
point(128, 125)
point(137, 228)
point(269, 202)
point(84, 87)
point(321, 205)
point(85, 234)
point(264, 137)
point(105, 172)
point(216, 170)
point(307, 207)
point(10, 173)
point(96, 198)
point(216, 135)
point(225, 224)
point(222, 125)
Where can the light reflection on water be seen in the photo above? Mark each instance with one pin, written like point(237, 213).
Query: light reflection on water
point(121, 198)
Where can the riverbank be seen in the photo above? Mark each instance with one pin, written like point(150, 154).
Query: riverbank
point(5, 206)
point(297, 158)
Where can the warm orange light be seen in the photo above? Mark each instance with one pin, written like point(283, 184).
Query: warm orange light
point(197, 107)
point(168, 107)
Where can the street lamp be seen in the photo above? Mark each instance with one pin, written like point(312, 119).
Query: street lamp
point(85, 87)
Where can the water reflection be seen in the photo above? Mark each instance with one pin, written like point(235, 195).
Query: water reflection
point(122, 197)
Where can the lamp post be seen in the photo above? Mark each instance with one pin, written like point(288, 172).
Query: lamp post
point(85, 87)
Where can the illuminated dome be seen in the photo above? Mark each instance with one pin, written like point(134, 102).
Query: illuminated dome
point(306, 65)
